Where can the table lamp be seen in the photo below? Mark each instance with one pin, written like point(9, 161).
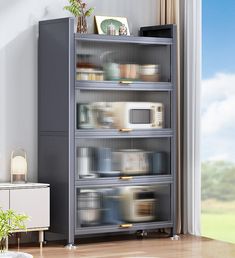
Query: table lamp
point(18, 166)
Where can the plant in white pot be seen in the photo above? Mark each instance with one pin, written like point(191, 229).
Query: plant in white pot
point(11, 221)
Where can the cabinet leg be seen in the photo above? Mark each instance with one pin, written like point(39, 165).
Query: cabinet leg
point(7, 243)
point(175, 237)
point(18, 240)
point(71, 246)
point(41, 237)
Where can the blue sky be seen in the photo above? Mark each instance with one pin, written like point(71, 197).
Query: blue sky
point(218, 84)
point(218, 53)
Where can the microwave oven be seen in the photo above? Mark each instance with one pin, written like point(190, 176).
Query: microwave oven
point(138, 204)
point(138, 115)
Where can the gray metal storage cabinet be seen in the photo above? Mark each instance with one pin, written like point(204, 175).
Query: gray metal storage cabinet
point(59, 136)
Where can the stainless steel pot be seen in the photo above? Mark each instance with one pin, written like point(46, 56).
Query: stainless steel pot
point(89, 207)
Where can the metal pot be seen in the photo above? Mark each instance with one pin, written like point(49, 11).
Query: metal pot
point(89, 207)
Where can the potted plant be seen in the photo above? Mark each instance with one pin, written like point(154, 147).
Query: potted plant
point(10, 221)
point(79, 9)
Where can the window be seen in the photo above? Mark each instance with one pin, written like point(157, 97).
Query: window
point(218, 120)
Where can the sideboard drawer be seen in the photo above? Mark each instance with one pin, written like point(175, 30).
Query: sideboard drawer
point(34, 203)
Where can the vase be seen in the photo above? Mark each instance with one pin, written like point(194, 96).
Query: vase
point(82, 24)
point(4, 253)
point(7, 254)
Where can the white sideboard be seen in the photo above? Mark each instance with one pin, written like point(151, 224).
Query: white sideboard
point(32, 199)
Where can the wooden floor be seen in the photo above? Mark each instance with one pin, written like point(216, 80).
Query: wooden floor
point(185, 247)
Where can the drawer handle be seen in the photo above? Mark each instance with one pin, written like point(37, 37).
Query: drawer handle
point(126, 225)
point(126, 82)
point(126, 177)
point(125, 130)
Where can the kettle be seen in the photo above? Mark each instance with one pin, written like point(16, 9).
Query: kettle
point(84, 116)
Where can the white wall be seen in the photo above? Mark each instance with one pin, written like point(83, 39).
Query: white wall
point(18, 65)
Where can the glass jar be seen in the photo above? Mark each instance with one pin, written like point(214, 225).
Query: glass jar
point(82, 24)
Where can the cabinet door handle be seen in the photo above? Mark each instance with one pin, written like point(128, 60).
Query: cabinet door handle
point(126, 177)
point(126, 225)
point(126, 82)
point(125, 130)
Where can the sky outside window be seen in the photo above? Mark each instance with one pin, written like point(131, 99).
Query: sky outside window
point(218, 72)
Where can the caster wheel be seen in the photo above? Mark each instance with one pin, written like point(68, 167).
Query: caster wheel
point(141, 234)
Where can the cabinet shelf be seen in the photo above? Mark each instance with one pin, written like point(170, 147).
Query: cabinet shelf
point(114, 133)
point(117, 86)
point(124, 39)
point(112, 181)
point(117, 228)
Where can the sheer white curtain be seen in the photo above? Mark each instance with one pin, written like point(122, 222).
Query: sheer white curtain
point(187, 15)
point(192, 84)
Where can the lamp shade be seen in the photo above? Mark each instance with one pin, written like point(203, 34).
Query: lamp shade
point(19, 167)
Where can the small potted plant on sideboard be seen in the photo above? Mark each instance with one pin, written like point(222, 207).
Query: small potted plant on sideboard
point(11, 221)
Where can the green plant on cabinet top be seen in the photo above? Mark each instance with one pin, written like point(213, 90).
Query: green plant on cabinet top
point(79, 9)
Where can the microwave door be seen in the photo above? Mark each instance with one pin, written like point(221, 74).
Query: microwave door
point(140, 118)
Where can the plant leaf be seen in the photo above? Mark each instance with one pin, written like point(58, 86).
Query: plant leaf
point(89, 11)
point(10, 221)
point(77, 8)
